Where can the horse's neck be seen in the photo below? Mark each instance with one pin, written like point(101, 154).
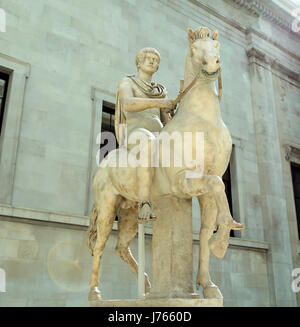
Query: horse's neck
point(189, 73)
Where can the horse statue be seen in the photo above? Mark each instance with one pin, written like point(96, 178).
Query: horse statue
point(115, 188)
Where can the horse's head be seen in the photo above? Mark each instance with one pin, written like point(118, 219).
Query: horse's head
point(204, 52)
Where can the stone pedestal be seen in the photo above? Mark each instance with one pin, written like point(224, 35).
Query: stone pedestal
point(172, 250)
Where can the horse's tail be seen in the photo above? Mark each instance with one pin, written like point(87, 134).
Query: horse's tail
point(92, 230)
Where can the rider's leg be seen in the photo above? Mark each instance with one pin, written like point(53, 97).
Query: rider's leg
point(145, 173)
point(144, 170)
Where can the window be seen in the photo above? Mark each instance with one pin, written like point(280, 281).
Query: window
point(3, 93)
point(12, 101)
point(107, 125)
point(296, 186)
point(108, 117)
point(227, 182)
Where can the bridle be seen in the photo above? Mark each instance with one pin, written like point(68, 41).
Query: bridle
point(184, 92)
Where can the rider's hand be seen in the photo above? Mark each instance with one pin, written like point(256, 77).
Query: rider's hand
point(169, 105)
point(165, 117)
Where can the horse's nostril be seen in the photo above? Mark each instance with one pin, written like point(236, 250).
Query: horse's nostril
point(204, 62)
point(218, 61)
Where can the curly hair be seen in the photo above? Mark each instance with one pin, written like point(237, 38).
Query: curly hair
point(140, 57)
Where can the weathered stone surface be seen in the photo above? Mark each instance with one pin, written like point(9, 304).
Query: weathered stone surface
point(172, 250)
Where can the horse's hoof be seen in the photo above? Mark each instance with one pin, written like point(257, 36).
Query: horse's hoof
point(147, 289)
point(94, 294)
point(212, 292)
point(237, 226)
point(217, 247)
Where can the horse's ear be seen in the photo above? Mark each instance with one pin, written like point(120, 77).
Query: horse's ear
point(191, 35)
point(215, 34)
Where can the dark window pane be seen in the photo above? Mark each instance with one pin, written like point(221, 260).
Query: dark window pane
point(108, 117)
point(107, 125)
point(227, 182)
point(296, 186)
point(3, 93)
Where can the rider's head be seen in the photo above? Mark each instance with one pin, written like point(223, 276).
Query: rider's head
point(150, 55)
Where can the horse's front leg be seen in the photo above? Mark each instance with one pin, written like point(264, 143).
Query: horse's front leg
point(212, 184)
point(220, 240)
point(208, 224)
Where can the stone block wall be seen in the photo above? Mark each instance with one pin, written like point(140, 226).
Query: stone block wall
point(48, 264)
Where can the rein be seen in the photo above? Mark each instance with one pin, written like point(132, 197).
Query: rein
point(181, 94)
point(220, 87)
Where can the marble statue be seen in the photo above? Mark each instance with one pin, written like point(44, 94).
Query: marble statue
point(129, 192)
point(140, 104)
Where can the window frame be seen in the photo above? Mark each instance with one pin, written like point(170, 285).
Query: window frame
point(292, 156)
point(98, 97)
point(19, 72)
point(5, 78)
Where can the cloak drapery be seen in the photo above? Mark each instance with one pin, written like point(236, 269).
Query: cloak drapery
point(151, 90)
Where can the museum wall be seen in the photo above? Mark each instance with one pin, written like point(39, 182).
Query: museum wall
point(49, 265)
point(288, 119)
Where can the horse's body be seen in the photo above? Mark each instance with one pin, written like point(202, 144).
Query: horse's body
point(115, 188)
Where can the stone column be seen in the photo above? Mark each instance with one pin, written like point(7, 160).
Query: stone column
point(273, 203)
point(172, 250)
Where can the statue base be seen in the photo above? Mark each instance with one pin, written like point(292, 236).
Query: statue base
point(162, 302)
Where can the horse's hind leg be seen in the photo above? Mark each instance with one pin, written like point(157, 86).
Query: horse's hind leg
point(106, 209)
point(127, 229)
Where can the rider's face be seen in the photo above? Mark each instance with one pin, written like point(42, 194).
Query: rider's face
point(150, 63)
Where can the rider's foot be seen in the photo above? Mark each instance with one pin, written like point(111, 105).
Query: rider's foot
point(146, 212)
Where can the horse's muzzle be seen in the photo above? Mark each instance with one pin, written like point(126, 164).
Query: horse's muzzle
point(210, 74)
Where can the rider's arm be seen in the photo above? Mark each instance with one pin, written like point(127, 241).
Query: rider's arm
point(132, 104)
